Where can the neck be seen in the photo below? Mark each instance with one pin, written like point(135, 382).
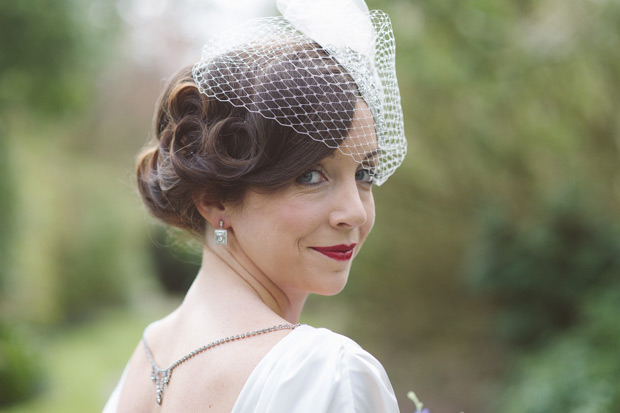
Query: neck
point(242, 290)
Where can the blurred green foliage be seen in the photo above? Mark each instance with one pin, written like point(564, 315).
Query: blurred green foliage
point(50, 50)
point(20, 366)
point(60, 234)
point(555, 282)
point(7, 204)
point(507, 104)
point(540, 272)
point(57, 261)
point(83, 362)
point(575, 372)
point(176, 259)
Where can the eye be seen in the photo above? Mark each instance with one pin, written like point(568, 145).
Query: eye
point(311, 177)
point(364, 175)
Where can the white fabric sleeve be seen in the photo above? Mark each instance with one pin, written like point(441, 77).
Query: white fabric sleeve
point(316, 370)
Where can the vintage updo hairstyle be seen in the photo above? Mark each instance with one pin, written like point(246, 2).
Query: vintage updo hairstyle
point(206, 147)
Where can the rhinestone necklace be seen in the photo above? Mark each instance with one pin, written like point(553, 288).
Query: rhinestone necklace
point(161, 377)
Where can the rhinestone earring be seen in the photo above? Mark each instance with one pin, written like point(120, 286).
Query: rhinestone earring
point(221, 235)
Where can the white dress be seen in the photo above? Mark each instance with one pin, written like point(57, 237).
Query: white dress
point(311, 370)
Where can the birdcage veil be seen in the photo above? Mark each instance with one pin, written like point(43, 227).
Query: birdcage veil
point(308, 69)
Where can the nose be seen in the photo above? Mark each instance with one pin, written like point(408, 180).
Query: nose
point(349, 209)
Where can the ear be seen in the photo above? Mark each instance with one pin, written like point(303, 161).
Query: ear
point(212, 212)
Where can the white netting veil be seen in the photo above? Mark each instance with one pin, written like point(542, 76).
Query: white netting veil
point(310, 70)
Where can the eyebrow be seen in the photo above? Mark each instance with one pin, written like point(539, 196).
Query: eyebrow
point(371, 154)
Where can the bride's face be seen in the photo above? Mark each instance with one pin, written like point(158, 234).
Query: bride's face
point(304, 237)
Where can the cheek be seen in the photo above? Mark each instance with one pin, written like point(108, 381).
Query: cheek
point(293, 216)
point(370, 214)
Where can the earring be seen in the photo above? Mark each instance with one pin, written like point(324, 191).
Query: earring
point(220, 235)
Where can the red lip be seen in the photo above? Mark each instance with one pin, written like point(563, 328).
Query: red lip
point(339, 252)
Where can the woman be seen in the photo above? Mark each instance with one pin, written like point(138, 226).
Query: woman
point(267, 151)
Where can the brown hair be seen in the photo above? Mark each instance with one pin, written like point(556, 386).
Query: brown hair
point(205, 146)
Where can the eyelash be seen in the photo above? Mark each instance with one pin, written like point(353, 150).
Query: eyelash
point(368, 180)
point(299, 180)
point(371, 175)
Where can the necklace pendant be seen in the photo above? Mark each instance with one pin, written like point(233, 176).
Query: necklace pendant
point(161, 378)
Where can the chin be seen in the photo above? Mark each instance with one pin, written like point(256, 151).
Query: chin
point(331, 288)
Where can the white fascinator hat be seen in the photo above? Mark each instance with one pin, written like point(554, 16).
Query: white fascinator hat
point(308, 68)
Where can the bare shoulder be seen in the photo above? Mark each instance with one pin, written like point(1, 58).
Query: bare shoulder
point(209, 380)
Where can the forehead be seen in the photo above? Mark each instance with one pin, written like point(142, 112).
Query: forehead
point(362, 137)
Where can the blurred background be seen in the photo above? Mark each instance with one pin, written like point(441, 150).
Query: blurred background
point(491, 282)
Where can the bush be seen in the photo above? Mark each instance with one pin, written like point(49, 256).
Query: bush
point(6, 208)
point(578, 371)
point(539, 272)
point(555, 281)
point(20, 367)
point(96, 252)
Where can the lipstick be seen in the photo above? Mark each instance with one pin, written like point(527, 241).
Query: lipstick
point(339, 252)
